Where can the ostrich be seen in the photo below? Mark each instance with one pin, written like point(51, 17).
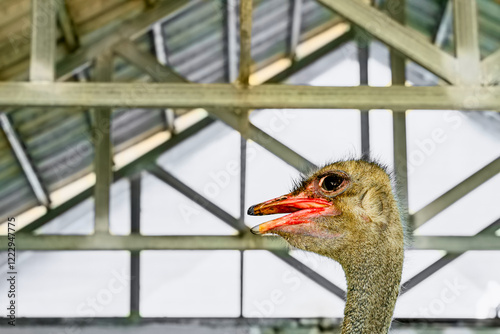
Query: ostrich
point(347, 211)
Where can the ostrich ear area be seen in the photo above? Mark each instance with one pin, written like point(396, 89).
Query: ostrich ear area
point(372, 203)
point(302, 219)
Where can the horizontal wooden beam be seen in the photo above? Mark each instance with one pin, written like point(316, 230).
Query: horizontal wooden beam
point(116, 325)
point(246, 241)
point(457, 244)
point(182, 95)
point(136, 242)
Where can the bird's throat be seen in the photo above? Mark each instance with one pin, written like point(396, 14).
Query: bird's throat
point(373, 287)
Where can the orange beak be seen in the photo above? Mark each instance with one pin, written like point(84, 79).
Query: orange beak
point(302, 210)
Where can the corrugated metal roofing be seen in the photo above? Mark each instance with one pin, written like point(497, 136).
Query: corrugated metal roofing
point(15, 192)
point(195, 37)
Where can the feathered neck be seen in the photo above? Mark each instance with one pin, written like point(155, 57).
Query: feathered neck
point(372, 289)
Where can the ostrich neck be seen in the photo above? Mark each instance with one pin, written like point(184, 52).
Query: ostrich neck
point(372, 290)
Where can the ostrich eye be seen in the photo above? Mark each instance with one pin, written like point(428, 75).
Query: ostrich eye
point(331, 182)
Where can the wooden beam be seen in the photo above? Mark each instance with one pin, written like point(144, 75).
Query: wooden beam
point(246, 10)
point(232, 40)
point(43, 40)
point(69, 33)
point(247, 241)
point(398, 76)
point(295, 27)
point(407, 41)
point(184, 95)
point(103, 159)
point(465, 17)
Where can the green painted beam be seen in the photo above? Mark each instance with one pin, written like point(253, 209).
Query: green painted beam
point(271, 96)
point(246, 241)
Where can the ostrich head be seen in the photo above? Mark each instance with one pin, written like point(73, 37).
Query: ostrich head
point(347, 211)
point(344, 208)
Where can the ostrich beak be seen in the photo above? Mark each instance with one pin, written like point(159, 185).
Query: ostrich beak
point(302, 210)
